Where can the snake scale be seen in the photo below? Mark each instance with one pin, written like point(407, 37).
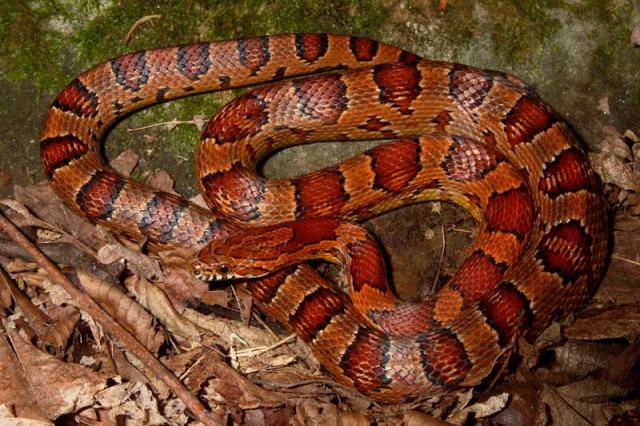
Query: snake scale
point(480, 139)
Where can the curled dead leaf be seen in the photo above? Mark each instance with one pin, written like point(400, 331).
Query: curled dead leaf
point(134, 400)
point(125, 310)
point(616, 162)
point(157, 302)
point(486, 408)
point(57, 336)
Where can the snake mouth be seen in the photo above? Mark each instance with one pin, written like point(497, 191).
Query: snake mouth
point(206, 272)
point(205, 276)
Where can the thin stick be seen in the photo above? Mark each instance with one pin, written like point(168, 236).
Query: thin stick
point(624, 259)
point(112, 327)
point(444, 247)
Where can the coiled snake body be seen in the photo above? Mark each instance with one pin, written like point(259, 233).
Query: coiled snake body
point(478, 138)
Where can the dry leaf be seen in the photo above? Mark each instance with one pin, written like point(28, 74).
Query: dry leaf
point(157, 302)
point(134, 401)
point(58, 334)
point(309, 411)
point(37, 319)
point(480, 409)
point(125, 310)
point(251, 349)
point(15, 394)
point(132, 370)
point(46, 205)
point(125, 163)
point(624, 369)
point(178, 283)
point(576, 359)
point(137, 262)
point(231, 387)
point(162, 181)
point(59, 387)
point(524, 406)
point(615, 323)
point(635, 36)
point(616, 162)
point(174, 411)
point(5, 182)
point(416, 418)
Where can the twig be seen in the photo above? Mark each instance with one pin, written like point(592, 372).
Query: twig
point(253, 352)
point(113, 328)
point(464, 231)
point(136, 26)
point(624, 259)
point(39, 320)
point(444, 247)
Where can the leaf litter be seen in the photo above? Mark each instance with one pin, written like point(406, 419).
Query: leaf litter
point(57, 362)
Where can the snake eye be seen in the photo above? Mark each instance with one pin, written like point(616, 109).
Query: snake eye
point(223, 269)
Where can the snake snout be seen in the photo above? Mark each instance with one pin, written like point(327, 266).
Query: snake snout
point(207, 272)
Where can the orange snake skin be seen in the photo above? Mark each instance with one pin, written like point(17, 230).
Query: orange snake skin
point(480, 139)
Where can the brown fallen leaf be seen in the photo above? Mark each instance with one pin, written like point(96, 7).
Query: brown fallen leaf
point(132, 370)
point(47, 206)
point(231, 387)
point(635, 36)
point(5, 183)
point(15, 393)
point(57, 336)
point(576, 359)
point(482, 409)
point(524, 406)
point(125, 162)
point(58, 387)
point(125, 310)
point(132, 400)
point(307, 410)
point(156, 301)
point(615, 163)
point(162, 181)
point(137, 262)
point(416, 418)
point(620, 322)
point(624, 369)
point(178, 284)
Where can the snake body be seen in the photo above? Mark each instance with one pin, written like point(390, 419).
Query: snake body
point(481, 139)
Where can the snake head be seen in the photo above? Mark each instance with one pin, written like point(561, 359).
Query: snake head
point(237, 257)
point(256, 252)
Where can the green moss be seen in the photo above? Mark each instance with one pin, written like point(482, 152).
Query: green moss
point(574, 52)
point(30, 44)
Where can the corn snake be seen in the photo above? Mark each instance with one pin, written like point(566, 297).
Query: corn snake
point(481, 139)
